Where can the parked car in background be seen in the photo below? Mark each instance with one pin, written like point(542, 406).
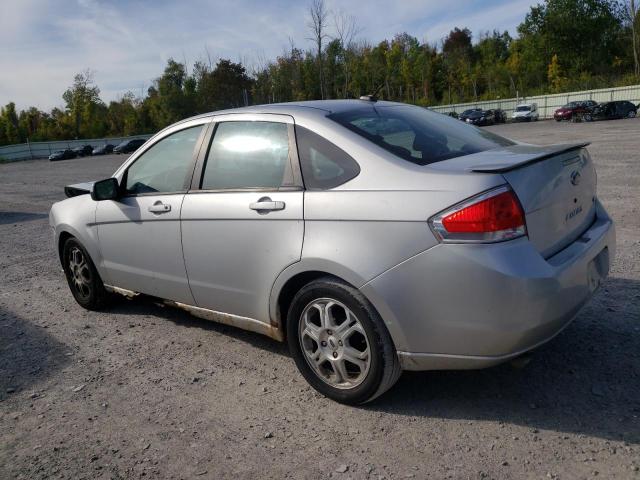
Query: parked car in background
point(103, 149)
point(83, 150)
point(525, 112)
point(481, 118)
point(478, 249)
point(611, 111)
point(62, 155)
point(464, 115)
point(129, 146)
point(499, 115)
point(574, 110)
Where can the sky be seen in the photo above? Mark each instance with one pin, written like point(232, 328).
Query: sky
point(126, 44)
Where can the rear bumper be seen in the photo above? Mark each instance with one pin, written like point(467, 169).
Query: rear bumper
point(471, 306)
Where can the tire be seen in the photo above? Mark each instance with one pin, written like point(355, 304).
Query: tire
point(631, 114)
point(83, 278)
point(348, 325)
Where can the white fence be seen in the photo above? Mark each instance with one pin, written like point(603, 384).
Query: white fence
point(547, 104)
point(26, 151)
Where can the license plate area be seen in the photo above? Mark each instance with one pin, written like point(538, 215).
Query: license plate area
point(598, 269)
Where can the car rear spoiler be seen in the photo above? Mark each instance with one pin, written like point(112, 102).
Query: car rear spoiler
point(78, 189)
point(518, 156)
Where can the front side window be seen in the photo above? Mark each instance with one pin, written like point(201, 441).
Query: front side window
point(247, 154)
point(416, 134)
point(323, 164)
point(166, 166)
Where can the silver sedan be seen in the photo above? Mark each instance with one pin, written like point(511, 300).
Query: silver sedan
point(371, 236)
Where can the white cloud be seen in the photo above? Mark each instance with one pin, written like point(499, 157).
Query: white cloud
point(127, 44)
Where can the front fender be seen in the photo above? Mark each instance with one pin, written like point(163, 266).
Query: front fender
point(76, 216)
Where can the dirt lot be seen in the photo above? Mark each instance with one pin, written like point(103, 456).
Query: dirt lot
point(143, 391)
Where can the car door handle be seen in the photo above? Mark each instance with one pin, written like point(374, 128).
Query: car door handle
point(265, 205)
point(159, 207)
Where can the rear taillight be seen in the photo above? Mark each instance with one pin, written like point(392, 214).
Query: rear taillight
point(493, 216)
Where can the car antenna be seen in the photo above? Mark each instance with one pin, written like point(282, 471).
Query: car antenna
point(374, 96)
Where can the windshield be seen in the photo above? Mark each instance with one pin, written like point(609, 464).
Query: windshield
point(570, 105)
point(523, 108)
point(469, 112)
point(416, 134)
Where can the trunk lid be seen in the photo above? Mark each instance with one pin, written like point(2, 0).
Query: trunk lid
point(556, 186)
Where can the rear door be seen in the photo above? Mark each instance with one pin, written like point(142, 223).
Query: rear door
point(242, 221)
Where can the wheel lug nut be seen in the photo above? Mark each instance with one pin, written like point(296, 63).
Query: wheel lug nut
point(323, 343)
point(335, 354)
point(329, 332)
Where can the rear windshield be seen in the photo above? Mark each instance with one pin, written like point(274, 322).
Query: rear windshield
point(523, 108)
point(416, 134)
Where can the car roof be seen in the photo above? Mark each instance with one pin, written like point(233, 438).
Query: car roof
point(310, 107)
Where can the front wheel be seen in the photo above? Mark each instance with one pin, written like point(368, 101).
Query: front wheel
point(339, 342)
point(83, 278)
point(631, 114)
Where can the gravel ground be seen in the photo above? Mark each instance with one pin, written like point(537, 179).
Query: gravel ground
point(143, 391)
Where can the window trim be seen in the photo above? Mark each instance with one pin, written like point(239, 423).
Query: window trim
point(124, 171)
point(292, 175)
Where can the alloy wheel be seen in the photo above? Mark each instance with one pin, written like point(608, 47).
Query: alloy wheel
point(79, 272)
point(334, 343)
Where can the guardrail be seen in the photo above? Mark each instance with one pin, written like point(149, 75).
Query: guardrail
point(32, 150)
point(547, 104)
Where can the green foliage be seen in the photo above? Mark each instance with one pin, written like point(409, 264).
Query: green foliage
point(562, 45)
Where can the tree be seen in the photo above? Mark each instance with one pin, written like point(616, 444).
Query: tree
point(457, 54)
point(318, 25)
point(584, 33)
point(347, 29)
point(84, 105)
point(554, 75)
point(10, 123)
point(633, 18)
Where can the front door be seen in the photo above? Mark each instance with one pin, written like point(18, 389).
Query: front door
point(139, 234)
point(243, 224)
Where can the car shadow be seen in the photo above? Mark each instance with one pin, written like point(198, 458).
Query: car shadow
point(7, 218)
point(145, 306)
point(584, 381)
point(28, 354)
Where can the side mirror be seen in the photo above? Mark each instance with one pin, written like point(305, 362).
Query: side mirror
point(107, 189)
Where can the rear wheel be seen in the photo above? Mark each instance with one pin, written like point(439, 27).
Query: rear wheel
point(339, 342)
point(83, 278)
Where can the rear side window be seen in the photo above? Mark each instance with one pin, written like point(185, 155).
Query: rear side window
point(416, 134)
point(323, 164)
point(247, 155)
